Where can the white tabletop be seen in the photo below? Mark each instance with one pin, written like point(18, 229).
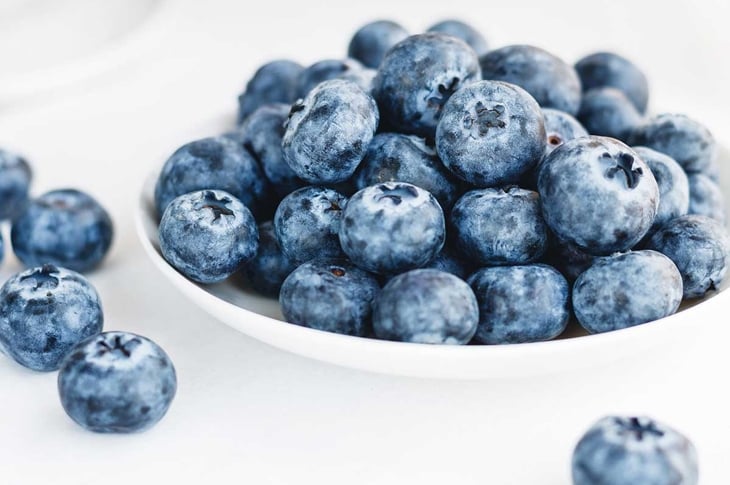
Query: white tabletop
point(248, 413)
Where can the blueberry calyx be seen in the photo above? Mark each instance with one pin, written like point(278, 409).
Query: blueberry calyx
point(638, 429)
point(438, 100)
point(555, 140)
point(45, 276)
point(218, 206)
point(486, 118)
point(296, 107)
point(334, 206)
point(118, 347)
point(337, 271)
point(625, 164)
point(397, 193)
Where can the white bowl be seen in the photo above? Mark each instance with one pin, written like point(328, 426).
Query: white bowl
point(261, 318)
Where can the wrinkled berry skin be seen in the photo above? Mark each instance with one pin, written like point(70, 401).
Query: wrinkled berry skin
point(621, 450)
point(44, 313)
point(329, 131)
point(417, 77)
point(270, 267)
point(685, 140)
point(328, 69)
point(674, 189)
point(519, 304)
point(15, 177)
point(274, 82)
point(626, 289)
point(117, 382)
point(597, 194)
point(463, 31)
point(331, 295)
point(560, 127)
point(65, 227)
point(208, 235)
point(373, 40)
point(426, 306)
point(490, 133)
point(606, 69)
point(700, 247)
point(213, 163)
point(608, 112)
point(499, 226)
point(307, 224)
point(392, 227)
point(552, 82)
point(705, 197)
point(392, 157)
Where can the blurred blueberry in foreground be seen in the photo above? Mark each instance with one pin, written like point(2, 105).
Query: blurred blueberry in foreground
point(373, 40)
point(117, 382)
point(606, 69)
point(706, 197)
point(274, 82)
point(15, 177)
point(463, 31)
point(674, 189)
point(608, 112)
point(270, 267)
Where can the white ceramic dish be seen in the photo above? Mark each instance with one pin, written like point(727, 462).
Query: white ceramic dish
point(261, 318)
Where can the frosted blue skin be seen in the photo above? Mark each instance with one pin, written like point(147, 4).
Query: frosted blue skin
point(606, 69)
point(214, 163)
point(44, 313)
point(688, 142)
point(625, 290)
point(621, 450)
point(674, 189)
point(392, 227)
point(329, 131)
point(700, 247)
point(2, 247)
point(490, 133)
point(208, 235)
point(552, 82)
point(463, 31)
point(449, 261)
point(499, 226)
point(65, 227)
point(373, 40)
point(519, 304)
point(328, 69)
point(270, 267)
point(15, 178)
point(559, 128)
point(608, 112)
point(706, 197)
point(117, 382)
point(331, 295)
point(597, 194)
point(417, 77)
point(392, 157)
point(307, 224)
point(261, 135)
point(274, 82)
point(426, 306)
point(567, 259)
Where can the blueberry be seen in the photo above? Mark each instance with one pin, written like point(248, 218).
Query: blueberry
point(274, 82)
point(552, 82)
point(392, 227)
point(270, 267)
point(2, 247)
point(213, 163)
point(347, 69)
point(117, 382)
point(329, 131)
point(392, 157)
point(634, 450)
point(417, 77)
point(700, 247)
point(261, 135)
point(208, 235)
point(373, 40)
point(307, 224)
point(685, 140)
point(674, 189)
point(560, 127)
point(490, 133)
point(499, 226)
point(608, 112)
point(598, 195)
point(567, 258)
point(426, 306)
point(450, 261)
point(63, 227)
point(519, 304)
point(463, 31)
point(705, 197)
point(626, 289)
point(44, 313)
point(15, 177)
point(606, 69)
point(331, 295)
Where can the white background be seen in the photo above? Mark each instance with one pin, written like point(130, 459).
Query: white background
point(245, 412)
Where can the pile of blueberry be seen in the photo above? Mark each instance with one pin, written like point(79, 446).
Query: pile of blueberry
point(430, 189)
point(51, 316)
